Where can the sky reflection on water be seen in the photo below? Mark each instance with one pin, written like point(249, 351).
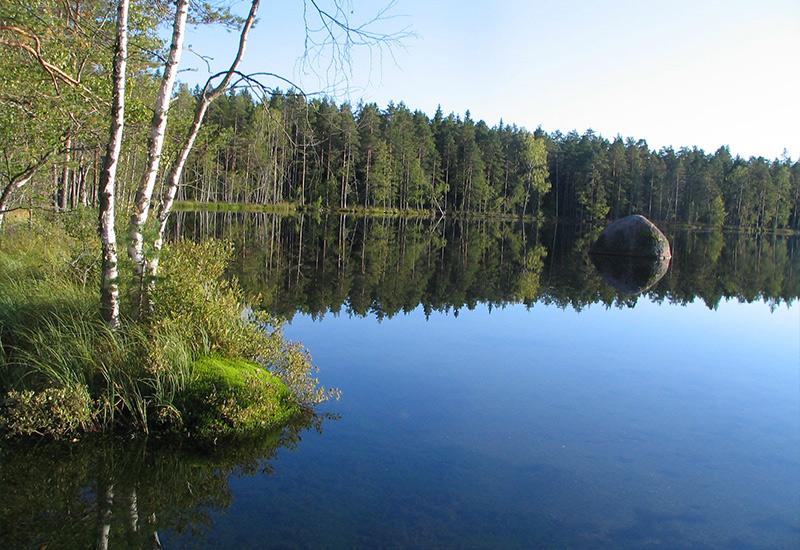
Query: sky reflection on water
point(666, 425)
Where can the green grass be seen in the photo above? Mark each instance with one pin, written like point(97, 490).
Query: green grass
point(283, 208)
point(63, 371)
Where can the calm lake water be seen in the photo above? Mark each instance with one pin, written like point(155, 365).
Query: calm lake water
point(498, 391)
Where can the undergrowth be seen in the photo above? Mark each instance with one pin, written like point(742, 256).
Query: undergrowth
point(64, 372)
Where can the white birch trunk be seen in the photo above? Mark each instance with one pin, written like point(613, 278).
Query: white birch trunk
point(65, 173)
point(109, 289)
point(5, 198)
point(206, 98)
point(133, 511)
point(18, 180)
point(104, 510)
point(158, 127)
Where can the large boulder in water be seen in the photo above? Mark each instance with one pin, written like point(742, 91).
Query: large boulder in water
point(633, 236)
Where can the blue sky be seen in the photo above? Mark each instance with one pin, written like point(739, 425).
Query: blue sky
point(701, 72)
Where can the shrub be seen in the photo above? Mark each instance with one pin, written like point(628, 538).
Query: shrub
point(293, 365)
point(54, 412)
point(193, 298)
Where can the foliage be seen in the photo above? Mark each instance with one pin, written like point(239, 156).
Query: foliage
point(54, 341)
point(193, 299)
point(55, 58)
point(58, 412)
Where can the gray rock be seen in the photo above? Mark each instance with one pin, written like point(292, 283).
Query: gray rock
point(634, 236)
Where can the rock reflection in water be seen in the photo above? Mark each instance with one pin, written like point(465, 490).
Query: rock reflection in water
point(630, 275)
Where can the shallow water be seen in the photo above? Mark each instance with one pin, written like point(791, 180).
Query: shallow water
point(496, 393)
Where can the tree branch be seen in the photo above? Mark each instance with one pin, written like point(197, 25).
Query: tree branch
point(36, 52)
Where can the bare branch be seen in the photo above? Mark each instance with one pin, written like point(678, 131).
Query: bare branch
point(333, 34)
point(204, 58)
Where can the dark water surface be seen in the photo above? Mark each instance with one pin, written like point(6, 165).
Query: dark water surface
point(497, 392)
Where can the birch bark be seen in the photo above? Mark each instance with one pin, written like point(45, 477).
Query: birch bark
point(206, 98)
point(20, 179)
point(109, 288)
point(158, 127)
point(5, 197)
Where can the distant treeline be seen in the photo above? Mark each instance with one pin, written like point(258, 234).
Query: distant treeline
point(315, 152)
point(384, 266)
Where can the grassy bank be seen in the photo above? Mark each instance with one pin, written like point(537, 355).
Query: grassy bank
point(291, 209)
point(283, 208)
point(194, 365)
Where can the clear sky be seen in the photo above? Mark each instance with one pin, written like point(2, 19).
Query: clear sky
point(700, 72)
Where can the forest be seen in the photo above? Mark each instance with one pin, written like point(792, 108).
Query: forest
point(315, 153)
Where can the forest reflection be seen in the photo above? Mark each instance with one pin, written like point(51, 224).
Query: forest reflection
point(125, 493)
point(384, 266)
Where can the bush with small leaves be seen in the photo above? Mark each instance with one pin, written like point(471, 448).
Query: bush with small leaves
point(52, 412)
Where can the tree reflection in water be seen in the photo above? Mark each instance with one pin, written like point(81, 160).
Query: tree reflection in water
point(384, 266)
point(122, 493)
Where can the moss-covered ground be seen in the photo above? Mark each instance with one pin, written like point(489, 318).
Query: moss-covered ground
point(234, 397)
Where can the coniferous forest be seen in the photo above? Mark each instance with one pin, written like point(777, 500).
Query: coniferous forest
point(315, 152)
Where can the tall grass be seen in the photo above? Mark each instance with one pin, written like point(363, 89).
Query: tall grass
point(52, 335)
point(53, 340)
point(117, 366)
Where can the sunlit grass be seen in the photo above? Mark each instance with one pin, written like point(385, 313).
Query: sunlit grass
point(54, 347)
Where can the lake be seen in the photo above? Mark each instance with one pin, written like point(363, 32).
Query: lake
point(498, 390)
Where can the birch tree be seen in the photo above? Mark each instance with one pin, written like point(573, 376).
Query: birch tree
point(158, 127)
point(534, 159)
point(109, 288)
point(206, 98)
point(18, 180)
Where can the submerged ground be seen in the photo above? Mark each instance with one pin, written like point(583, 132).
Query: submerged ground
point(496, 393)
